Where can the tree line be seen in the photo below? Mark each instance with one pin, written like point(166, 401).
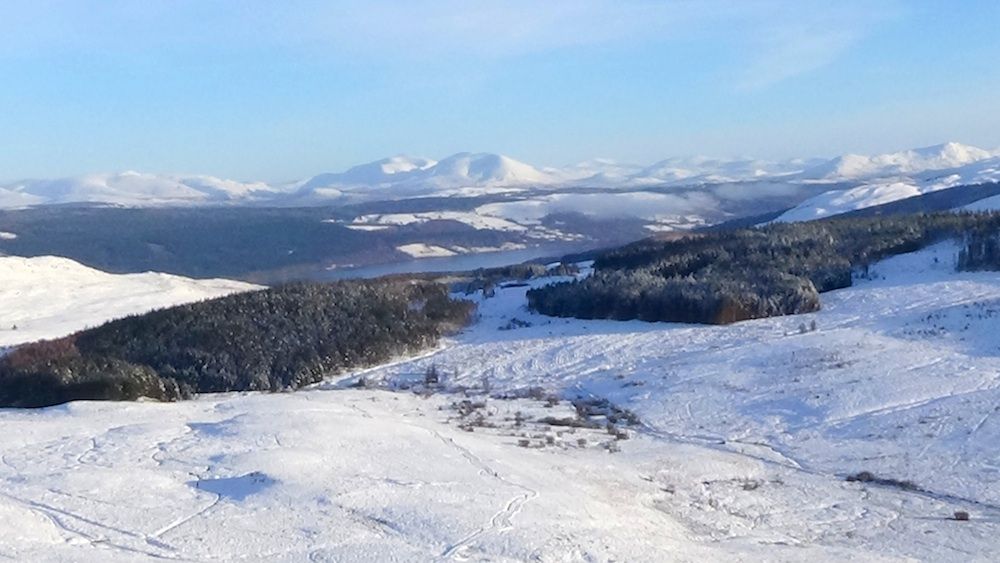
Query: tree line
point(269, 340)
point(727, 276)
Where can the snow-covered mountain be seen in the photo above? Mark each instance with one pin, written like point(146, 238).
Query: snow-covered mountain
point(12, 199)
point(891, 177)
point(704, 170)
point(481, 169)
point(134, 189)
point(377, 173)
point(914, 161)
point(401, 176)
point(855, 182)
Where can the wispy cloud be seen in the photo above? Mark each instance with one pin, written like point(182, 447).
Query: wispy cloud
point(791, 39)
point(771, 40)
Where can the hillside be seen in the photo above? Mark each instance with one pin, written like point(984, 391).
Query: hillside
point(725, 276)
point(47, 296)
point(742, 441)
point(267, 340)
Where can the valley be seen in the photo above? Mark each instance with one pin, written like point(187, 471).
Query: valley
point(402, 213)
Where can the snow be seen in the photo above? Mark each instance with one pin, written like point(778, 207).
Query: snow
point(699, 170)
point(375, 173)
point(422, 250)
point(891, 177)
point(875, 193)
point(899, 379)
point(4, 235)
point(466, 174)
point(746, 435)
point(484, 168)
point(938, 157)
point(11, 199)
point(133, 189)
point(707, 186)
point(49, 297)
point(472, 219)
point(991, 203)
point(835, 202)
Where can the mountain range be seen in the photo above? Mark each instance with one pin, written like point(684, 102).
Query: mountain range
point(473, 174)
point(666, 195)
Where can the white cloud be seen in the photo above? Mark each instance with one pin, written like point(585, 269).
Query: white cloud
point(770, 40)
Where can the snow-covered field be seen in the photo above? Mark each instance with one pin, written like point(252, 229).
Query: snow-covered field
point(744, 438)
point(49, 297)
point(472, 219)
point(421, 250)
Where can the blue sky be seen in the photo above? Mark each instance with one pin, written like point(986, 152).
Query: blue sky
point(281, 90)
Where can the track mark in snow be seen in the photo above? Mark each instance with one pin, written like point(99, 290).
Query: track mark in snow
point(501, 522)
point(783, 458)
point(56, 516)
point(183, 520)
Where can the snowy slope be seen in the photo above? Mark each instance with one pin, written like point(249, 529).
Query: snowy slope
point(490, 169)
point(47, 297)
point(473, 219)
point(914, 161)
point(879, 192)
point(601, 172)
point(459, 174)
point(705, 170)
point(835, 202)
point(133, 188)
point(746, 435)
point(11, 199)
point(373, 174)
point(900, 380)
point(985, 204)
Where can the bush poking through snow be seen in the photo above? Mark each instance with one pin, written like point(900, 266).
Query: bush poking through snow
point(432, 377)
point(869, 477)
point(514, 324)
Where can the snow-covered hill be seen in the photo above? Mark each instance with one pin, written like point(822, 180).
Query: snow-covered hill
point(379, 173)
point(703, 170)
point(745, 437)
point(885, 183)
point(835, 202)
point(459, 174)
point(916, 161)
point(47, 296)
point(134, 189)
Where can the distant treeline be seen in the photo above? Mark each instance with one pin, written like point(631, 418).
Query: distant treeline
point(779, 269)
point(269, 340)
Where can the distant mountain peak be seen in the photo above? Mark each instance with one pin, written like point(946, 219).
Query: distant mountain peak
point(488, 168)
point(936, 157)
